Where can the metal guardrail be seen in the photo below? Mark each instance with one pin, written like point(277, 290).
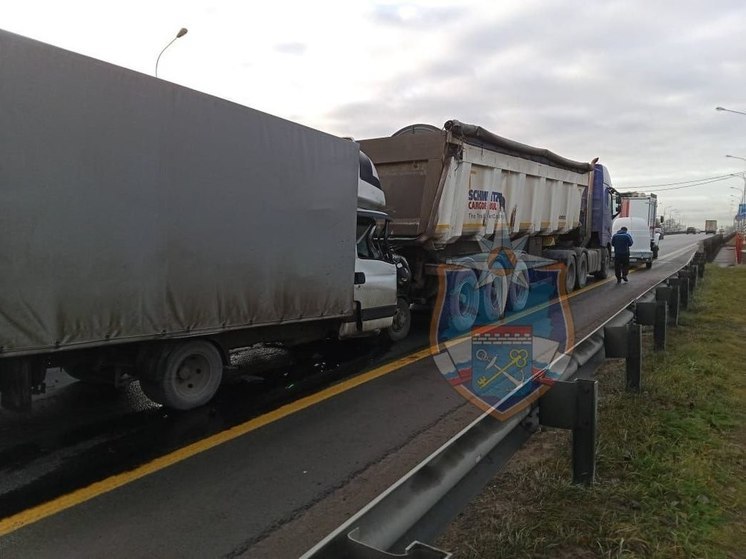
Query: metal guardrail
point(420, 505)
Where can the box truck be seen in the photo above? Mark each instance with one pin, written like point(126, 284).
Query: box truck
point(711, 226)
point(450, 189)
point(638, 213)
point(148, 229)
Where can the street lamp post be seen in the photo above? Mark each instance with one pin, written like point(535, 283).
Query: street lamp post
point(742, 219)
point(733, 200)
point(676, 221)
point(183, 31)
point(729, 111)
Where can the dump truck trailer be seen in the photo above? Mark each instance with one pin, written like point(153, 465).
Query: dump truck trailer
point(148, 228)
point(454, 192)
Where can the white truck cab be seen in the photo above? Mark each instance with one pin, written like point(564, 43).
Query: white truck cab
point(637, 212)
point(377, 270)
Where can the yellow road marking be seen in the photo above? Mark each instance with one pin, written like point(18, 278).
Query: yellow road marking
point(44, 510)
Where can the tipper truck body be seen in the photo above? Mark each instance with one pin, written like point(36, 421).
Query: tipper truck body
point(147, 229)
point(450, 190)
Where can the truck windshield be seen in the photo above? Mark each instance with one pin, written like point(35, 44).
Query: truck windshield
point(367, 244)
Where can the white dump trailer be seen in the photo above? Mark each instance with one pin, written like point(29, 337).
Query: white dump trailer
point(454, 192)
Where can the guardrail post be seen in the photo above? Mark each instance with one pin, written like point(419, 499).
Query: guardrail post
point(654, 314)
point(693, 276)
point(673, 301)
point(626, 341)
point(585, 432)
point(701, 259)
point(634, 357)
point(659, 328)
point(684, 289)
point(574, 405)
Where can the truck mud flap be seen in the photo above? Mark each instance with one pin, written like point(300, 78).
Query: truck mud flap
point(19, 379)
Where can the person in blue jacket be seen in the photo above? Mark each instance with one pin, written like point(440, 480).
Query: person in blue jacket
point(621, 241)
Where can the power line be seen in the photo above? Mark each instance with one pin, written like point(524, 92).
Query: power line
point(684, 184)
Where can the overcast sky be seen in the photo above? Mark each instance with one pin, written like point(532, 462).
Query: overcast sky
point(633, 82)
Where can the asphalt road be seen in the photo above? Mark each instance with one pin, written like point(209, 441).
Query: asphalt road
point(286, 452)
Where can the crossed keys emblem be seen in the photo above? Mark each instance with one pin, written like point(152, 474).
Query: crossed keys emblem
point(518, 357)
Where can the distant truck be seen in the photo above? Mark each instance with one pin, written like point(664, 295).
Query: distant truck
point(711, 226)
point(446, 189)
point(637, 212)
point(149, 228)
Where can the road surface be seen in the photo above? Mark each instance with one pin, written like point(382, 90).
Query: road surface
point(286, 452)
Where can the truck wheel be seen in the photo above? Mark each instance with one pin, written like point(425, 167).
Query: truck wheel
point(603, 273)
point(520, 287)
point(399, 329)
point(187, 375)
point(462, 300)
point(570, 274)
point(492, 295)
point(582, 277)
point(648, 265)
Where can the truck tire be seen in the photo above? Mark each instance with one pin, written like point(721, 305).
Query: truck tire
point(493, 295)
point(582, 276)
point(571, 273)
point(462, 300)
point(187, 375)
point(603, 273)
point(399, 329)
point(520, 287)
point(648, 265)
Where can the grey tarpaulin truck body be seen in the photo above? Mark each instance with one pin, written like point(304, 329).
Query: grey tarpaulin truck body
point(133, 209)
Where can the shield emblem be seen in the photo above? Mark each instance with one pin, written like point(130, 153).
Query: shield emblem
point(501, 363)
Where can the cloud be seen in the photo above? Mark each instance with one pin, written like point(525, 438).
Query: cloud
point(409, 15)
point(297, 49)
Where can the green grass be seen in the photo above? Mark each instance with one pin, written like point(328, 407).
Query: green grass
point(670, 463)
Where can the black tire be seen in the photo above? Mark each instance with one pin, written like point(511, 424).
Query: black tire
point(399, 329)
point(582, 277)
point(187, 375)
point(519, 288)
point(603, 273)
point(462, 300)
point(648, 265)
point(493, 295)
point(570, 274)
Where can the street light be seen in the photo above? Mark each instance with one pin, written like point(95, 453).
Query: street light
point(736, 157)
point(742, 201)
point(183, 31)
point(729, 110)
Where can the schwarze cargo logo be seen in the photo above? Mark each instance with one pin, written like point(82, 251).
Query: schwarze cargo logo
point(500, 361)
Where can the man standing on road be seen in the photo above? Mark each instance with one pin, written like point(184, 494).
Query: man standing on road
point(621, 241)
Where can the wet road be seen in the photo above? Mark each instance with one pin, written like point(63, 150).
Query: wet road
point(286, 452)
